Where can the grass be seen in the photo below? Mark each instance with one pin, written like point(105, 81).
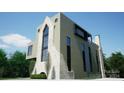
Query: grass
point(7, 78)
point(16, 78)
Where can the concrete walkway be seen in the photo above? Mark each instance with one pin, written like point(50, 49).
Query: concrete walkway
point(110, 79)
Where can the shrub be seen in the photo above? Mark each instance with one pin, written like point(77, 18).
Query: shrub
point(39, 76)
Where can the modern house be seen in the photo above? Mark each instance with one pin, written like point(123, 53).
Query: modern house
point(64, 50)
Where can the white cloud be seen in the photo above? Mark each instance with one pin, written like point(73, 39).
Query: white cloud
point(4, 46)
point(15, 40)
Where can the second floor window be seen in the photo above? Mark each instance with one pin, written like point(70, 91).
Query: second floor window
point(79, 32)
point(29, 50)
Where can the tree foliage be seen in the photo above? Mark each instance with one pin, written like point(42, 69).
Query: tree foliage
point(115, 63)
point(106, 63)
point(3, 62)
point(19, 64)
point(15, 66)
point(116, 60)
point(3, 58)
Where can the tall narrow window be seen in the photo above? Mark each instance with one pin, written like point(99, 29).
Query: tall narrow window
point(29, 50)
point(97, 60)
point(68, 43)
point(84, 61)
point(90, 59)
point(44, 56)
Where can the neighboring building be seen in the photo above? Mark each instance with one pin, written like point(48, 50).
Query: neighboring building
point(64, 50)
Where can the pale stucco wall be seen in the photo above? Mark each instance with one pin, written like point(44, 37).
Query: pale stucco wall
point(67, 29)
point(52, 67)
point(34, 47)
point(57, 51)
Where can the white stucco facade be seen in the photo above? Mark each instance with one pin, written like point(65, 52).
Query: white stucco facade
point(55, 67)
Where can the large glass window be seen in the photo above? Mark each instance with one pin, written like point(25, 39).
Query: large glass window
point(45, 44)
point(29, 50)
point(80, 32)
point(46, 31)
point(68, 44)
point(45, 54)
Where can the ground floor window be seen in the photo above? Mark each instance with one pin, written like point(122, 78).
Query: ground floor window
point(90, 59)
point(84, 61)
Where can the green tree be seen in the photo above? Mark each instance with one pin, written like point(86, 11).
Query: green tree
point(116, 63)
point(19, 65)
point(3, 58)
point(106, 63)
point(3, 62)
point(116, 60)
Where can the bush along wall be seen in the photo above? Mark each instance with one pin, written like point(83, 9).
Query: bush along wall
point(39, 76)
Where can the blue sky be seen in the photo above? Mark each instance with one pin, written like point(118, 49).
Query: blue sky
point(16, 29)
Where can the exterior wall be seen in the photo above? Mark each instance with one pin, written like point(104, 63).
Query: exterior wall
point(97, 41)
point(96, 66)
point(56, 67)
point(67, 29)
point(51, 68)
point(56, 32)
point(34, 47)
point(40, 66)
